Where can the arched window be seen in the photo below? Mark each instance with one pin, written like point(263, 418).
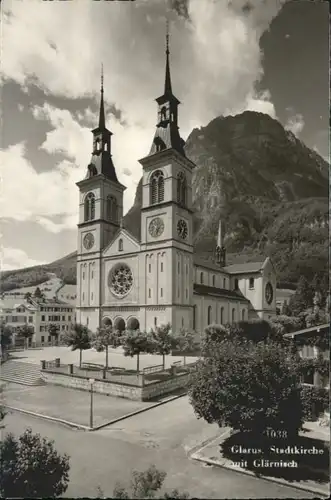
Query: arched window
point(111, 208)
point(201, 278)
point(236, 284)
point(89, 207)
point(181, 188)
point(120, 245)
point(97, 144)
point(233, 315)
point(209, 315)
point(213, 280)
point(163, 113)
point(157, 187)
point(222, 315)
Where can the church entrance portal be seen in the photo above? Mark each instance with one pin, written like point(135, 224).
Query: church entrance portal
point(119, 324)
point(133, 324)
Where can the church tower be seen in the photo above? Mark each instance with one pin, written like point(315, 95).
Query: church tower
point(166, 219)
point(100, 212)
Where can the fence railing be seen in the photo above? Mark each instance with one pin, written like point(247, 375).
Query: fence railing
point(152, 369)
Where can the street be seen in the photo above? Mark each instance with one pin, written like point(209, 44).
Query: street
point(162, 436)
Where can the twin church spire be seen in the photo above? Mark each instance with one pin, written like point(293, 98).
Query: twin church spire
point(166, 134)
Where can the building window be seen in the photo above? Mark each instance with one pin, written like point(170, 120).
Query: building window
point(243, 315)
point(87, 321)
point(92, 296)
point(222, 316)
point(92, 274)
point(69, 318)
point(42, 339)
point(181, 189)
point(233, 315)
point(111, 208)
point(155, 321)
point(63, 327)
point(186, 268)
point(149, 293)
point(201, 278)
point(43, 318)
point(30, 319)
point(213, 280)
point(49, 338)
point(149, 268)
point(182, 322)
point(63, 318)
point(83, 275)
point(161, 292)
point(224, 283)
point(120, 245)
point(236, 284)
point(186, 293)
point(209, 315)
point(89, 207)
point(251, 282)
point(157, 187)
point(161, 267)
point(178, 267)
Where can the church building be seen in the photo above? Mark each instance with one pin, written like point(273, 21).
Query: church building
point(143, 282)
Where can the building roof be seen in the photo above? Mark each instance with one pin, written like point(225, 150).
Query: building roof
point(220, 292)
point(318, 329)
point(208, 263)
point(248, 267)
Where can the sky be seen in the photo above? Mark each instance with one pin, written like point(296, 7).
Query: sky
point(227, 56)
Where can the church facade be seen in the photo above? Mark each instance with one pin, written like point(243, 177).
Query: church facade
point(142, 282)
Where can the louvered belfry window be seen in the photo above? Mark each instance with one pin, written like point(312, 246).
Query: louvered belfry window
point(181, 189)
point(157, 187)
point(89, 207)
point(111, 208)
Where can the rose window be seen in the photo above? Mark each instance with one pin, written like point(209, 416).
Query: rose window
point(120, 280)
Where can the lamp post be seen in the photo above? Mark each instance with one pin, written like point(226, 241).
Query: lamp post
point(91, 380)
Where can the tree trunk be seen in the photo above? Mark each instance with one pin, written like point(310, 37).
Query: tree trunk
point(80, 358)
point(137, 363)
point(106, 357)
point(163, 360)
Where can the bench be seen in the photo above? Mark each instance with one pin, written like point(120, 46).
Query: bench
point(153, 369)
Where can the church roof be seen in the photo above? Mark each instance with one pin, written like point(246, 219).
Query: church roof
point(207, 263)
point(220, 292)
point(248, 267)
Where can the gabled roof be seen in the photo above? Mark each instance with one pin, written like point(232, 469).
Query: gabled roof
point(208, 264)
point(220, 292)
point(248, 267)
point(118, 232)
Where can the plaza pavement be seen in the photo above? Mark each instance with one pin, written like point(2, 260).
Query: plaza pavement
point(164, 436)
point(116, 357)
point(69, 404)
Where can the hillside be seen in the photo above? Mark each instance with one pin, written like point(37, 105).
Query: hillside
point(269, 188)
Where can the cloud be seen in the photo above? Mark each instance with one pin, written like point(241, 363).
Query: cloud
point(215, 54)
point(215, 62)
point(295, 124)
point(15, 258)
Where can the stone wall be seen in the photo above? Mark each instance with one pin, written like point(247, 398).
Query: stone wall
point(117, 389)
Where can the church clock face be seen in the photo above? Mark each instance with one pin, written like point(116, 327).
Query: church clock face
point(156, 227)
point(269, 293)
point(182, 229)
point(88, 241)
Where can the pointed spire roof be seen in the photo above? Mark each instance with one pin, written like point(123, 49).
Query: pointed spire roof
point(167, 83)
point(219, 235)
point(102, 121)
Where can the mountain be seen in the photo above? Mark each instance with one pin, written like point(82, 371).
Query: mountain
point(270, 190)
